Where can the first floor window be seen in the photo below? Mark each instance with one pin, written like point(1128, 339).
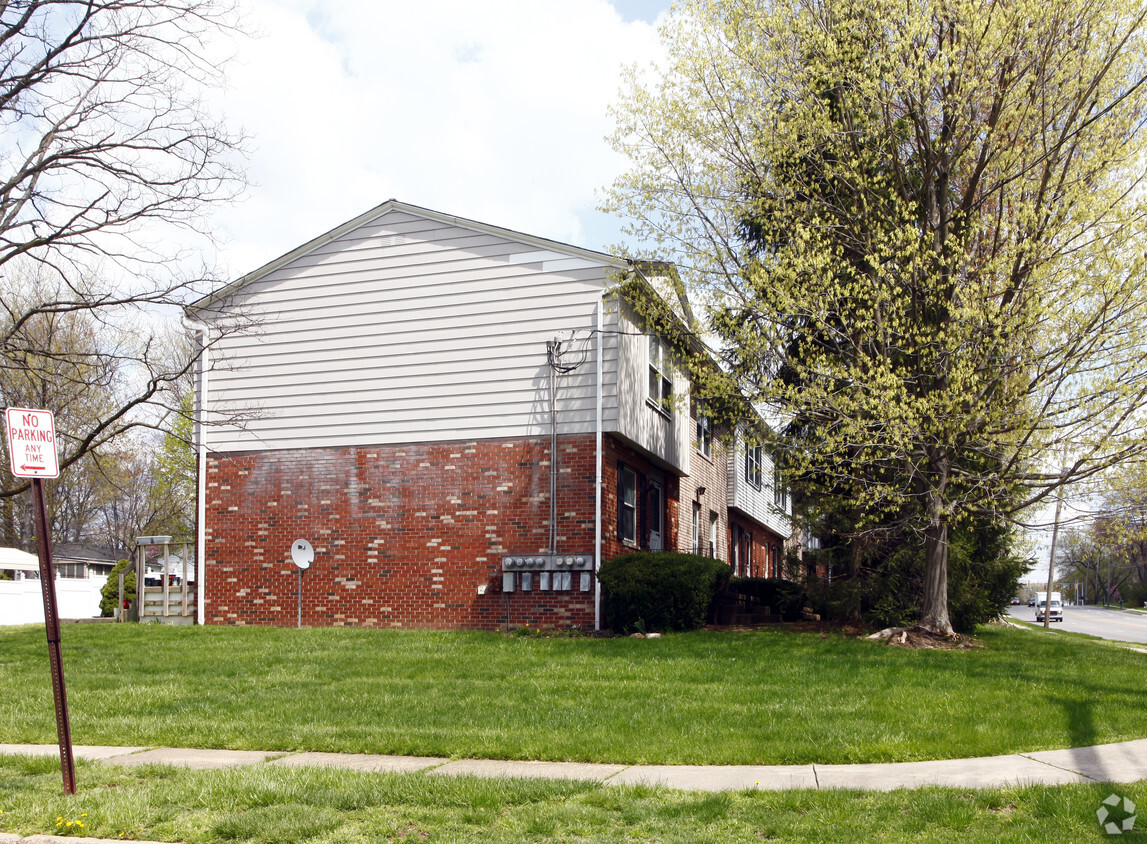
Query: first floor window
point(712, 534)
point(627, 505)
point(742, 550)
point(735, 554)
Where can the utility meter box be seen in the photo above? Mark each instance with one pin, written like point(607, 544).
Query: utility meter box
point(546, 572)
point(547, 562)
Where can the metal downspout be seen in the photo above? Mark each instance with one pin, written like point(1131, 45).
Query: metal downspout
point(551, 354)
point(201, 468)
point(597, 475)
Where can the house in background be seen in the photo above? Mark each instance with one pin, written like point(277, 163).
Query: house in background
point(463, 421)
point(80, 575)
point(81, 562)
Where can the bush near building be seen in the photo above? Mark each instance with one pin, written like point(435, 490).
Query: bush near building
point(658, 590)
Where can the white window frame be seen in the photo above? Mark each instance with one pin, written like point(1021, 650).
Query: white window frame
point(780, 491)
point(704, 432)
point(660, 374)
point(753, 458)
point(627, 505)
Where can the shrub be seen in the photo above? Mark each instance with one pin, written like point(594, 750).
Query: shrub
point(887, 590)
point(109, 594)
point(660, 590)
point(982, 577)
point(785, 597)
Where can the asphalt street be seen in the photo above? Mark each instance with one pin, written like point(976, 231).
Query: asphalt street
point(1095, 621)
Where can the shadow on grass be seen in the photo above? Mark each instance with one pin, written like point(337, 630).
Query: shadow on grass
point(1079, 715)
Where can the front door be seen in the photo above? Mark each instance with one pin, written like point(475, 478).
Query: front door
point(655, 515)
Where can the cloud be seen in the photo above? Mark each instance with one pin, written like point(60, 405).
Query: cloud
point(494, 111)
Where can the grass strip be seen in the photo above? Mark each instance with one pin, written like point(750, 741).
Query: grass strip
point(269, 805)
point(765, 697)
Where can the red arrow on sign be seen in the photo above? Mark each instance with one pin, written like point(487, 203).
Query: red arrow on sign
point(32, 468)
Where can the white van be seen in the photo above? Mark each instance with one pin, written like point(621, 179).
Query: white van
point(1055, 612)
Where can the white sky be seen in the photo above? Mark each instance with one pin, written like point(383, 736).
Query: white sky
point(494, 110)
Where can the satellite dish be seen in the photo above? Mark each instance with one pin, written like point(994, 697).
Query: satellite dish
point(302, 553)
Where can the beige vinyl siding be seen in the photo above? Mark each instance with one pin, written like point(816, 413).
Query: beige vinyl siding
point(409, 329)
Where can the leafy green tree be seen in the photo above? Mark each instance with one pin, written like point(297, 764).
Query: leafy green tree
point(917, 231)
point(1109, 555)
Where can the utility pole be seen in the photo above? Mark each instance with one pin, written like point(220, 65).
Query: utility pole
point(1051, 562)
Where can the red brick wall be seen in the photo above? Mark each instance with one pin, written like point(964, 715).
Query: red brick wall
point(709, 472)
point(675, 533)
point(404, 536)
point(760, 562)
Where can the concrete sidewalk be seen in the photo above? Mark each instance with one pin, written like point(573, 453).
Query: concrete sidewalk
point(1123, 762)
point(1115, 763)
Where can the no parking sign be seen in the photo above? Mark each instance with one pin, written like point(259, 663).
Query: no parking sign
point(32, 443)
point(32, 454)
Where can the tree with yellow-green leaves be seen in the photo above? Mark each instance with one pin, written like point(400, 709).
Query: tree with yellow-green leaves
point(917, 231)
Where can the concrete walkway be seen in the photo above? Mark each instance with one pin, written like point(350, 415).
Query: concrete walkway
point(1123, 762)
point(1115, 763)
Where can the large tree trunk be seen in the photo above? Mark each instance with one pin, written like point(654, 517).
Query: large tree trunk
point(935, 615)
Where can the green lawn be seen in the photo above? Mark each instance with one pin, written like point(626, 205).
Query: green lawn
point(767, 697)
point(265, 805)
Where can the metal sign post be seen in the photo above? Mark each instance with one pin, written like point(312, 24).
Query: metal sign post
point(32, 452)
point(303, 555)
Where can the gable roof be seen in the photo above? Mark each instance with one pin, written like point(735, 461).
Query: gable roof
point(383, 209)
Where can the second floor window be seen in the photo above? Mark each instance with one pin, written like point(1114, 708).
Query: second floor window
point(780, 492)
point(660, 373)
point(704, 432)
point(753, 465)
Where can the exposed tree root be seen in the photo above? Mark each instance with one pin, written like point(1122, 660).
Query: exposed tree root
point(921, 637)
